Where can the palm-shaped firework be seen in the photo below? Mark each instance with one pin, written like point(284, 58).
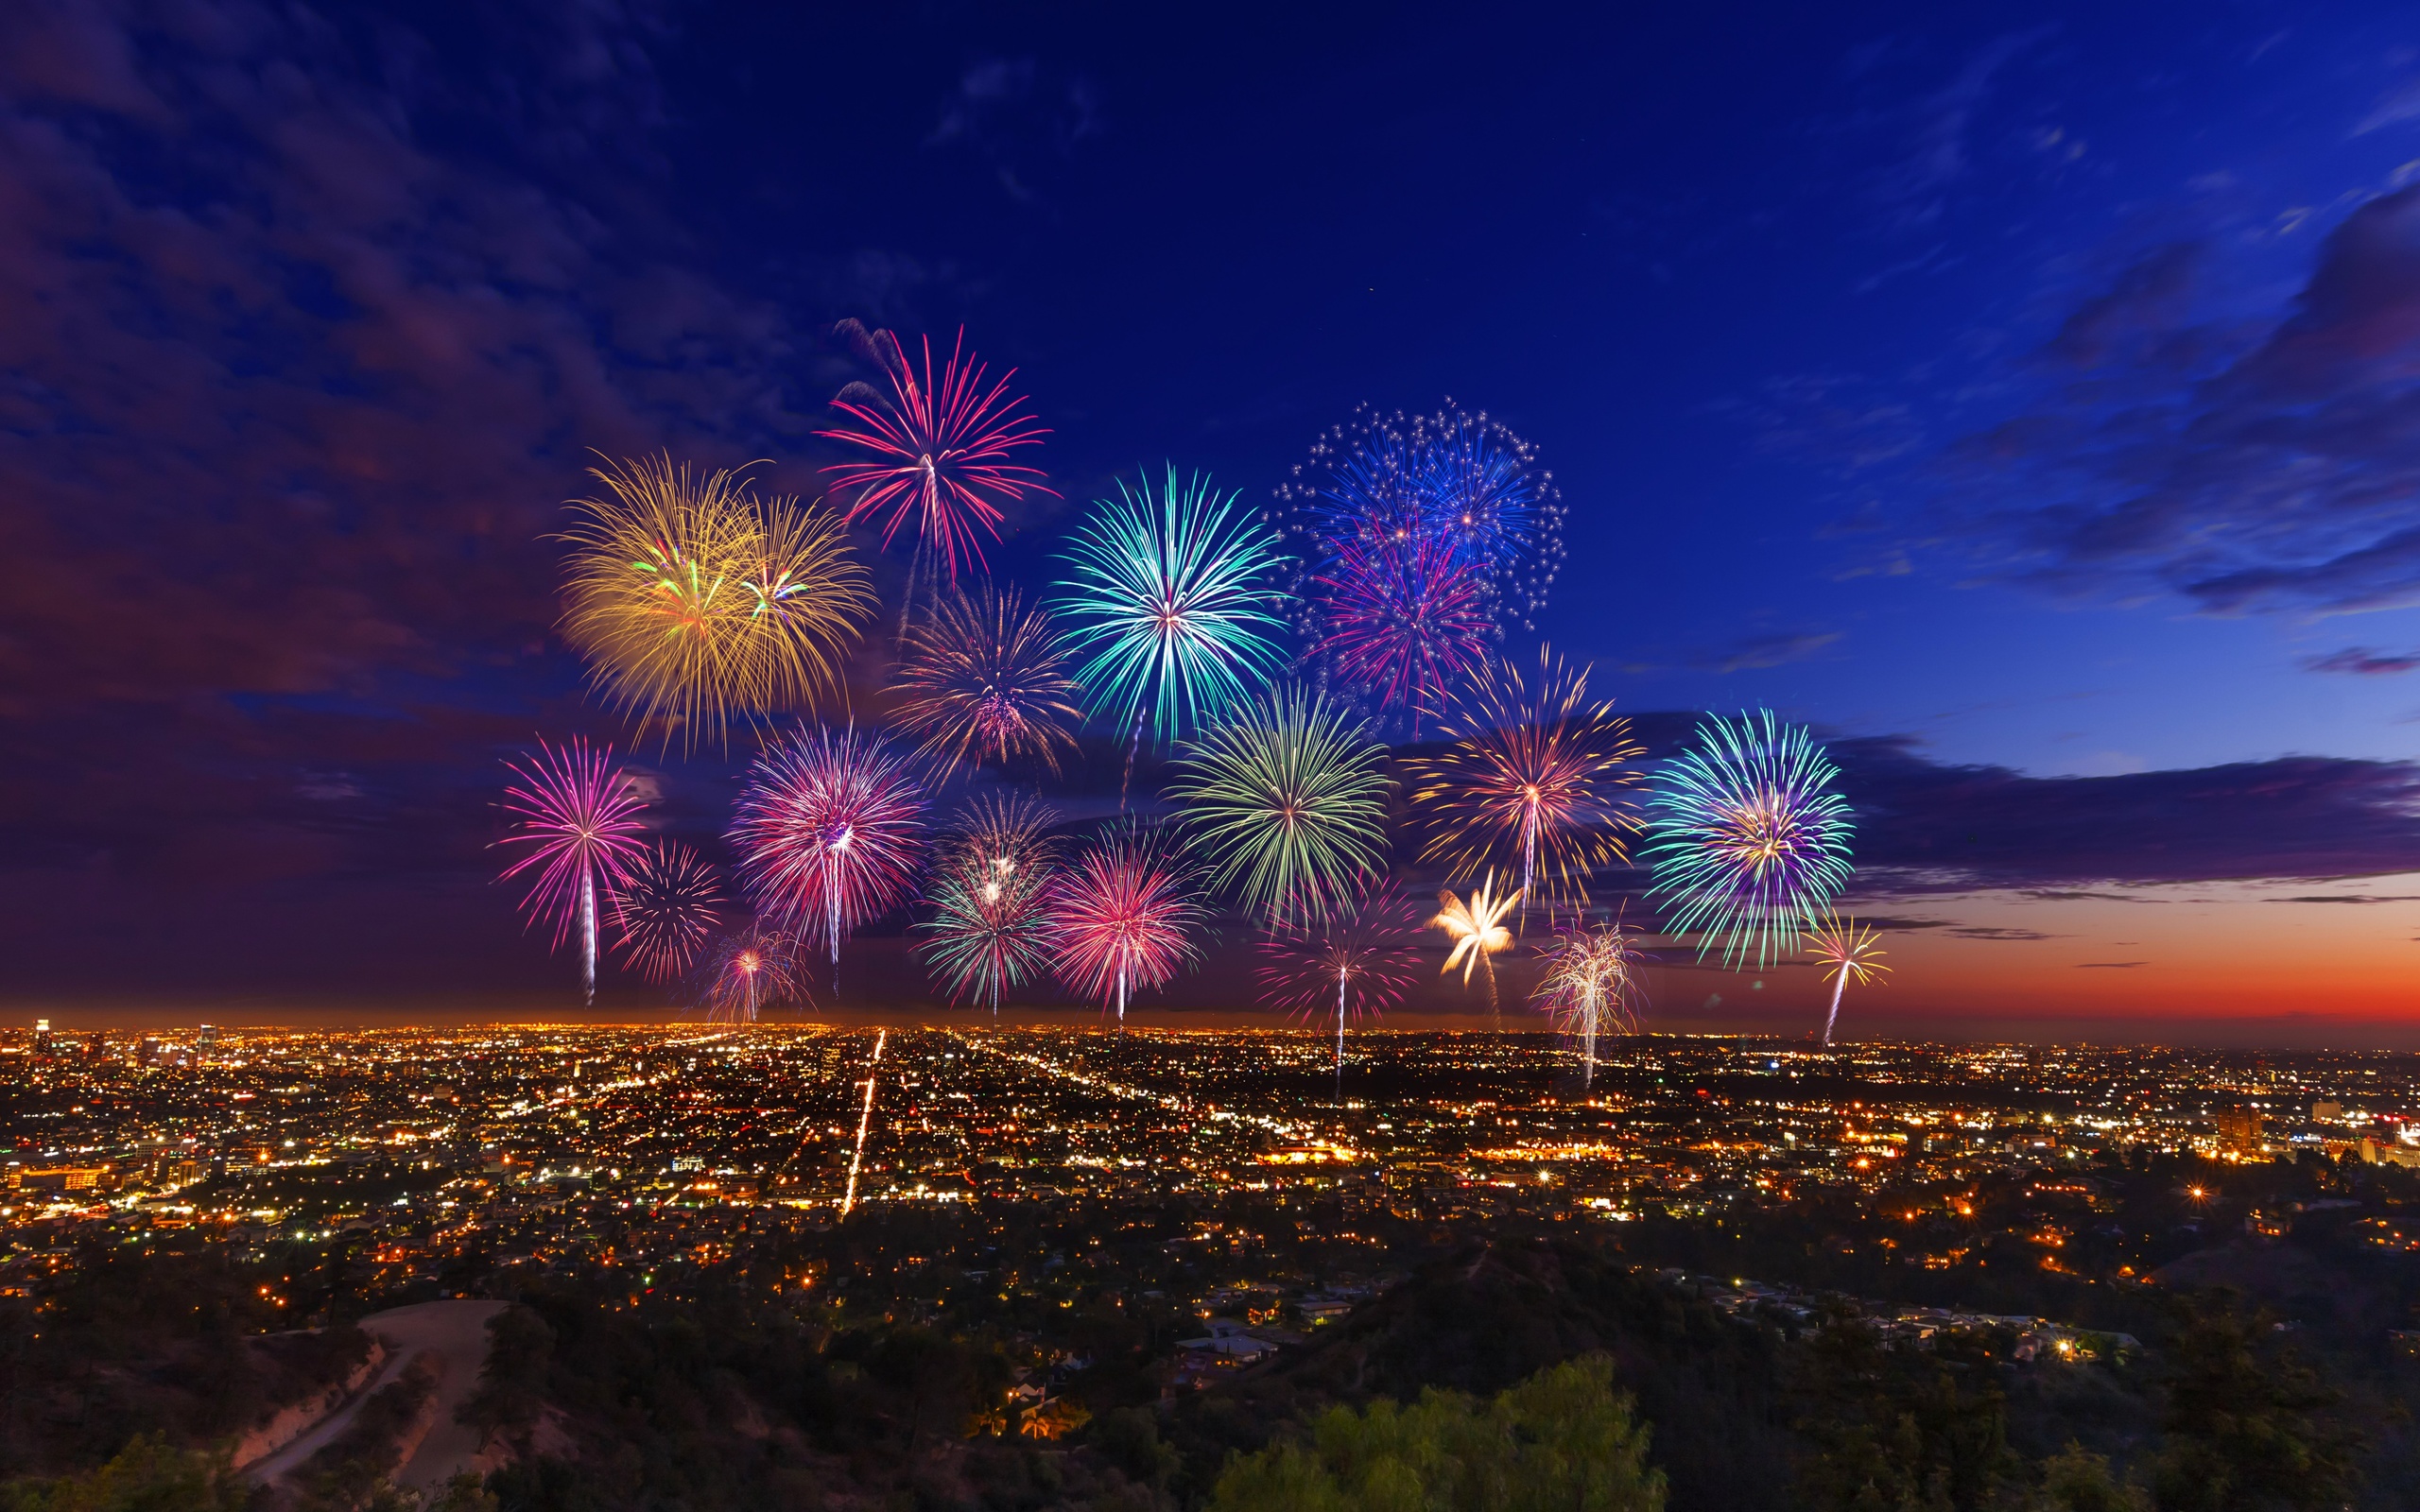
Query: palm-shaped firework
point(1476, 929)
point(986, 680)
point(1844, 949)
point(938, 449)
point(993, 924)
point(1125, 910)
point(1528, 779)
point(1286, 804)
point(1356, 964)
point(577, 812)
point(749, 972)
point(1591, 983)
point(1748, 839)
point(665, 908)
point(827, 831)
point(1170, 606)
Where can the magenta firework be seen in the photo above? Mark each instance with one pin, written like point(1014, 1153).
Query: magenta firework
point(749, 972)
point(828, 831)
point(578, 814)
point(1125, 909)
point(1401, 618)
point(1357, 966)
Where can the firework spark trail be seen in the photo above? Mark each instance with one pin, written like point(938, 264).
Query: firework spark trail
point(1476, 929)
point(577, 812)
point(664, 910)
point(1534, 772)
point(1748, 839)
point(1171, 606)
point(828, 825)
point(993, 926)
point(1286, 804)
point(1125, 907)
point(1846, 948)
point(749, 970)
point(694, 601)
point(865, 1121)
point(985, 679)
point(1591, 976)
point(1359, 965)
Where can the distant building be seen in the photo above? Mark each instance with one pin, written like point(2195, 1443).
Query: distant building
point(42, 1036)
point(2327, 1111)
point(2239, 1127)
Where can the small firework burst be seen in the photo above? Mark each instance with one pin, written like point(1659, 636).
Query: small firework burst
point(1401, 621)
point(1126, 912)
point(985, 680)
point(993, 925)
point(577, 812)
point(1476, 929)
point(749, 972)
point(664, 909)
point(1591, 983)
point(1844, 949)
point(828, 830)
point(1358, 964)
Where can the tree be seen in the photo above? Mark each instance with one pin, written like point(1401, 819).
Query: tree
point(2249, 1427)
point(146, 1476)
point(1562, 1441)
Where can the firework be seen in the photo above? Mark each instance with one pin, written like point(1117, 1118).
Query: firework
point(1591, 980)
point(1844, 949)
point(1528, 776)
point(1124, 908)
point(993, 926)
point(985, 680)
point(1359, 964)
point(695, 602)
point(1287, 805)
point(750, 972)
point(865, 1121)
point(1171, 606)
point(1748, 839)
point(1400, 620)
point(937, 451)
point(578, 814)
point(1476, 929)
point(664, 909)
point(827, 831)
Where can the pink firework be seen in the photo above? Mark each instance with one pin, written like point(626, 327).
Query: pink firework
point(1357, 966)
point(939, 451)
point(578, 814)
point(828, 830)
point(1124, 910)
point(664, 909)
point(749, 970)
point(1405, 617)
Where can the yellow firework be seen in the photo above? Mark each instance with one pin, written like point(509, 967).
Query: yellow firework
point(1845, 950)
point(696, 601)
point(1476, 929)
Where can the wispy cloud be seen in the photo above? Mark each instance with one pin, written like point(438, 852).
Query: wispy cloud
point(2363, 662)
point(1757, 652)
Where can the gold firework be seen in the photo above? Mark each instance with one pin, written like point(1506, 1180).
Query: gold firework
point(1476, 928)
point(1846, 950)
point(695, 601)
point(986, 681)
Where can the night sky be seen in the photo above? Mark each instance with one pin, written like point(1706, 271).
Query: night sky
point(2027, 397)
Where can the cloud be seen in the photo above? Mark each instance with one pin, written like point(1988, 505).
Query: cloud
point(2109, 966)
point(2349, 897)
point(2394, 108)
point(1990, 931)
point(1757, 652)
point(2361, 660)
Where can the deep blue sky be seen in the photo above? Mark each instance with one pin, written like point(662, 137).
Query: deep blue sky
point(2028, 389)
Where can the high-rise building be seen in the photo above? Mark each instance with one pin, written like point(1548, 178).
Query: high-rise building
point(42, 1036)
point(209, 1037)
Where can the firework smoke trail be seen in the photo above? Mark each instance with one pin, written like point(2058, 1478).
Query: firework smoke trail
point(749, 972)
point(1404, 619)
point(992, 926)
point(664, 909)
point(985, 679)
point(1591, 976)
point(1124, 908)
point(694, 601)
point(865, 1121)
point(1286, 804)
point(1534, 773)
point(938, 449)
point(1359, 965)
point(578, 814)
point(1476, 929)
point(1844, 948)
point(1171, 607)
point(1748, 839)
point(827, 829)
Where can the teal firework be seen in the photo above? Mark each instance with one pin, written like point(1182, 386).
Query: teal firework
point(1285, 804)
point(1171, 606)
point(1748, 839)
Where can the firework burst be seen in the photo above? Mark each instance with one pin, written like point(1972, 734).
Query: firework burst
point(985, 679)
point(1529, 778)
point(993, 926)
point(1844, 949)
point(937, 451)
point(1748, 839)
point(577, 812)
point(695, 602)
point(665, 908)
point(1171, 606)
point(1359, 965)
point(1476, 929)
point(1286, 803)
point(1125, 908)
point(1591, 983)
point(827, 831)
point(1400, 620)
point(749, 972)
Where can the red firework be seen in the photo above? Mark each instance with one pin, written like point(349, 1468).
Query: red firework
point(749, 972)
point(1359, 966)
point(578, 814)
point(939, 450)
point(1406, 617)
point(664, 909)
point(1124, 908)
point(827, 831)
